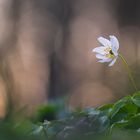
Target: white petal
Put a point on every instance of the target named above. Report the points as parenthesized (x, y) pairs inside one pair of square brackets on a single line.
[(113, 61), (114, 50), (114, 42), (99, 50), (104, 60), (104, 41), (99, 56)]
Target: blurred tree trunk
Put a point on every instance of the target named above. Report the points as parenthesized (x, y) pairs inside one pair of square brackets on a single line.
[(46, 50)]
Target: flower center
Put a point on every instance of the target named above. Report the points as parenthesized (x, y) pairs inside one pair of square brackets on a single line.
[(109, 52)]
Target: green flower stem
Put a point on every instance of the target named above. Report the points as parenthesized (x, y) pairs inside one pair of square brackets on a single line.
[(129, 72)]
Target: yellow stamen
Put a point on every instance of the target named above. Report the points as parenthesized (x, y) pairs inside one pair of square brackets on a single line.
[(109, 52)]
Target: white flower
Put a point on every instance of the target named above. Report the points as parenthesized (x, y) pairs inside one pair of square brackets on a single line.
[(108, 52)]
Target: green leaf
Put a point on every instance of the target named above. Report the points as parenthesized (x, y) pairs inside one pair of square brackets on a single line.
[(134, 122), (46, 112), (118, 105), (131, 108), (119, 125), (106, 109), (124, 109), (136, 99)]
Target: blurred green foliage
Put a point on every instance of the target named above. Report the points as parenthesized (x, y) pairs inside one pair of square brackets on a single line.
[(120, 120)]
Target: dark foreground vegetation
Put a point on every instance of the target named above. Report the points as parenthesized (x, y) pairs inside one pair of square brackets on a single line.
[(120, 120)]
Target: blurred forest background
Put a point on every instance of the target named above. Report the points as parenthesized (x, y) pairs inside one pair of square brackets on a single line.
[(46, 51)]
